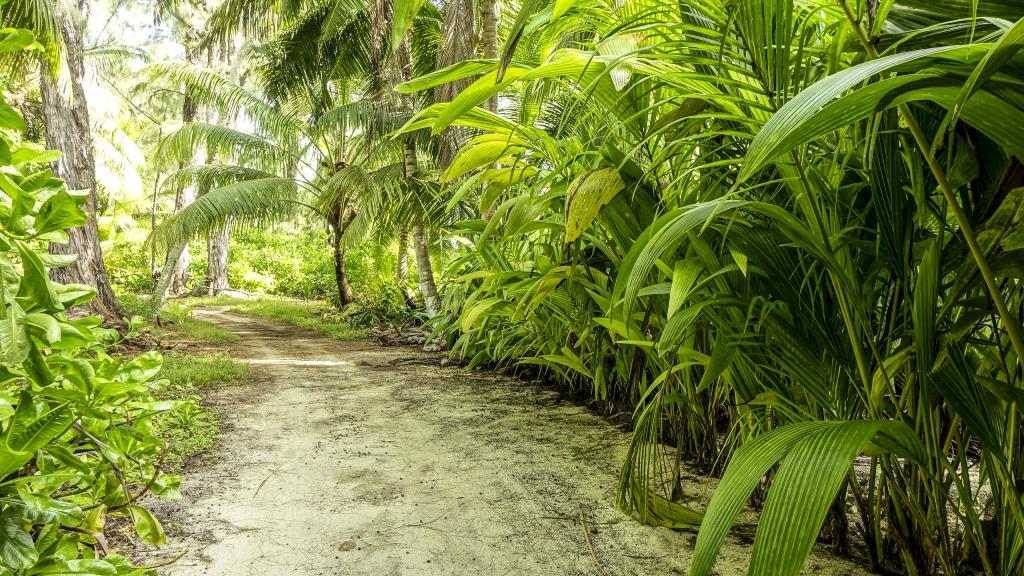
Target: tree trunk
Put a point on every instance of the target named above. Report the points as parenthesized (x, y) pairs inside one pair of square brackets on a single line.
[(180, 273), (489, 37), (217, 244), (66, 118), (341, 217), (402, 269), (421, 245), (163, 281), (420, 239), (345, 294)]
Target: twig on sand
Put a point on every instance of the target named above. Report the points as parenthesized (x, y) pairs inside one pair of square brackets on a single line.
[(167, 562), (421, 524), (574, 519), (260, 487), (586, 534)]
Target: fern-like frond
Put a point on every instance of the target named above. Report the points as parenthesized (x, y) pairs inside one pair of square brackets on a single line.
[(184, 144), (247, 203), (208, 87)]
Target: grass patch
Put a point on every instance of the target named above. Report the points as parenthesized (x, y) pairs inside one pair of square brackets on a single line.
[(176, 319), (191, 429), (312, 315), (192, 372), (198, 330)]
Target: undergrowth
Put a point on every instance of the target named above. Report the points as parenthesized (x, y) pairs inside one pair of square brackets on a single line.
[(312, 315), (192, 429), (176, 318)]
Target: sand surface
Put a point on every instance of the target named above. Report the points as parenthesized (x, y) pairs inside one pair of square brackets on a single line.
[(349, 458)]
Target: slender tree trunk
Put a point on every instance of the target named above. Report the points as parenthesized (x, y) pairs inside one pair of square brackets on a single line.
[(421, 245), (489, 37), (402, 269), (421, 240), (217, 244), (180, 273), (66, 118), (163, 281), (342, 216), (345, 294)]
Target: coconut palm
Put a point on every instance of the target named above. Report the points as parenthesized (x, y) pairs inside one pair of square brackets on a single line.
[(331, 62)]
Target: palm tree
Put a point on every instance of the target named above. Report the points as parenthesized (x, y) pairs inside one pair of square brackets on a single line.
[(335, 46), (281, 164)]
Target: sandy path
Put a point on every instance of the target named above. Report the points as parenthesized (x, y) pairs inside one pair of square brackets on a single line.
[(348, 458)]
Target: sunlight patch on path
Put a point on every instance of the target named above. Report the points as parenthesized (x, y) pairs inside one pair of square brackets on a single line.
[(296, 362)]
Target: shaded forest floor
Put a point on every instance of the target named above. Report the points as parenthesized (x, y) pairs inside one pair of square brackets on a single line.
[(348, 458)]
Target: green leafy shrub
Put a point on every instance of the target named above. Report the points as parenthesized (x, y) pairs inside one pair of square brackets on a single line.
[(77, 423), (128, 267), (181, 321), (281, 262), (191, 429)]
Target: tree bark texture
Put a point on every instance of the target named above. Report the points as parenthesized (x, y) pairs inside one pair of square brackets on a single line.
[(217, 244), (66, 118), (156, 300), (421, 245), (489, 38), (402, 269), (341, 217), (421, 240)]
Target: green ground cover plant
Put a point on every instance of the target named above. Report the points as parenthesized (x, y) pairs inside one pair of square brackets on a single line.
[(77, 424), (318, 316), (192, 429)]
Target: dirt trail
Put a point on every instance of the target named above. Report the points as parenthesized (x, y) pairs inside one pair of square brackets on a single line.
[(348, 458)]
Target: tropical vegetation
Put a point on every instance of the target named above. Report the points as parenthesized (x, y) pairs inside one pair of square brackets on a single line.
[(785, 236)]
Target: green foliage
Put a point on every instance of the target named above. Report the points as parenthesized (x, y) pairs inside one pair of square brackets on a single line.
[(128, 266), (79, 441), (282, 263), (191, 429), (180, 320), (312, 315), (779, 233)]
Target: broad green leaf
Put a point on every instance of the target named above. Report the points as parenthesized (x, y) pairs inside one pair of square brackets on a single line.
[(586, 197), (787, 128), (403, 12), (457, 71), (58, 212), (747, 468), (147, 526), (801, 494), (36, 286), (10, 118), (49, 328), (14, 39), (14, 340), (42, 509), (16, 547), (37, 431)]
